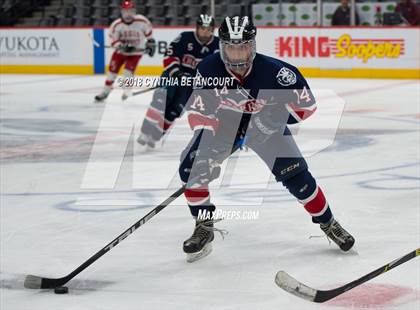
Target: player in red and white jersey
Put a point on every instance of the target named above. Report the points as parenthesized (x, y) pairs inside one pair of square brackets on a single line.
[(131, 36)]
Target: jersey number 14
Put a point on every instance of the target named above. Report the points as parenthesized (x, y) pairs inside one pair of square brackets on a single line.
[(198, 103), (304, 95)]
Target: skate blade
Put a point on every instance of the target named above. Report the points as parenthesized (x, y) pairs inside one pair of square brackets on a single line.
[(126, 95), (192, 257), (141, 141), (146, 144)]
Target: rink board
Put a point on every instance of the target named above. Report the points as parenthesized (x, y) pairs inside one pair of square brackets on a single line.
[(363, 52)]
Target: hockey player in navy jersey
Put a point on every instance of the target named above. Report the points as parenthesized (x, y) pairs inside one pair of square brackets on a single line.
[(267, 95), (181, 59)]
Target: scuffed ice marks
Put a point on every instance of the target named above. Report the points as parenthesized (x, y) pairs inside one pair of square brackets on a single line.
[(45, 125), (347, 139), (43, 140), (40, 140)]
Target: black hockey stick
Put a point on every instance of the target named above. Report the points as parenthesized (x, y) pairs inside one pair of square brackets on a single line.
[(139, 92), (96, 43), (293, 286), (36, 282)]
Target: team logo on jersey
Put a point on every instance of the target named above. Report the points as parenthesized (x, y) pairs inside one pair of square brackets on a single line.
[(286, 77), (246, 105), (190, 61)]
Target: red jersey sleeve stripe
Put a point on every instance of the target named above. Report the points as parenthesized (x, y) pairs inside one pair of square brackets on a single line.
[(148, 34), (300, 114), (167, 61), (198, 120)]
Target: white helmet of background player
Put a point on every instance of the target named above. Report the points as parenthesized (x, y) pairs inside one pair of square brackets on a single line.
[(204, 28), (237, 42), (128, 11)]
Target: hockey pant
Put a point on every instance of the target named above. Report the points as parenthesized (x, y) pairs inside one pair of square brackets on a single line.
[(117, 61), (167, 105), (281, 155)]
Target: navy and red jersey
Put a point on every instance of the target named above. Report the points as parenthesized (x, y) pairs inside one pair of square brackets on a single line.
[(270, 84), (186, 52)]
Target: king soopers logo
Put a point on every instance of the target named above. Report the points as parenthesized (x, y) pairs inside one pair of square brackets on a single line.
[(345, 46)]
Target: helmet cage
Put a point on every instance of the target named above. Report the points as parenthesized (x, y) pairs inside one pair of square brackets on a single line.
[(238, 44), (237, 33), (128, 14)]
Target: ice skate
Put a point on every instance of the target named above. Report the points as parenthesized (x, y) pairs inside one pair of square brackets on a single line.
[(103, 95), (338, 234), (199, 244), (144, 139), (126, 94)]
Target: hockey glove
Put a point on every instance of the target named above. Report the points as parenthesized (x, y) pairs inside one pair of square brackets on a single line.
[(177, 74), (204, 171), (266, 123), (151, 47), (206, 159)]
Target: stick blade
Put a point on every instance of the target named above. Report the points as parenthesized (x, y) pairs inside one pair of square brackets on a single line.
[(293, 286), (33, 282)]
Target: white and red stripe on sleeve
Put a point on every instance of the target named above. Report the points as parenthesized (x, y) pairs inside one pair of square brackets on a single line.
[(148, 34), (147, 25), (113, 33)]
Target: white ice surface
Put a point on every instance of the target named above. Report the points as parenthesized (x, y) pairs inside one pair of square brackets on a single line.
[(49, 225)]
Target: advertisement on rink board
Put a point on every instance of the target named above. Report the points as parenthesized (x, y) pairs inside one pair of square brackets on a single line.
[(45, 51), (324, 52), (343, 52), (361, 52)]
